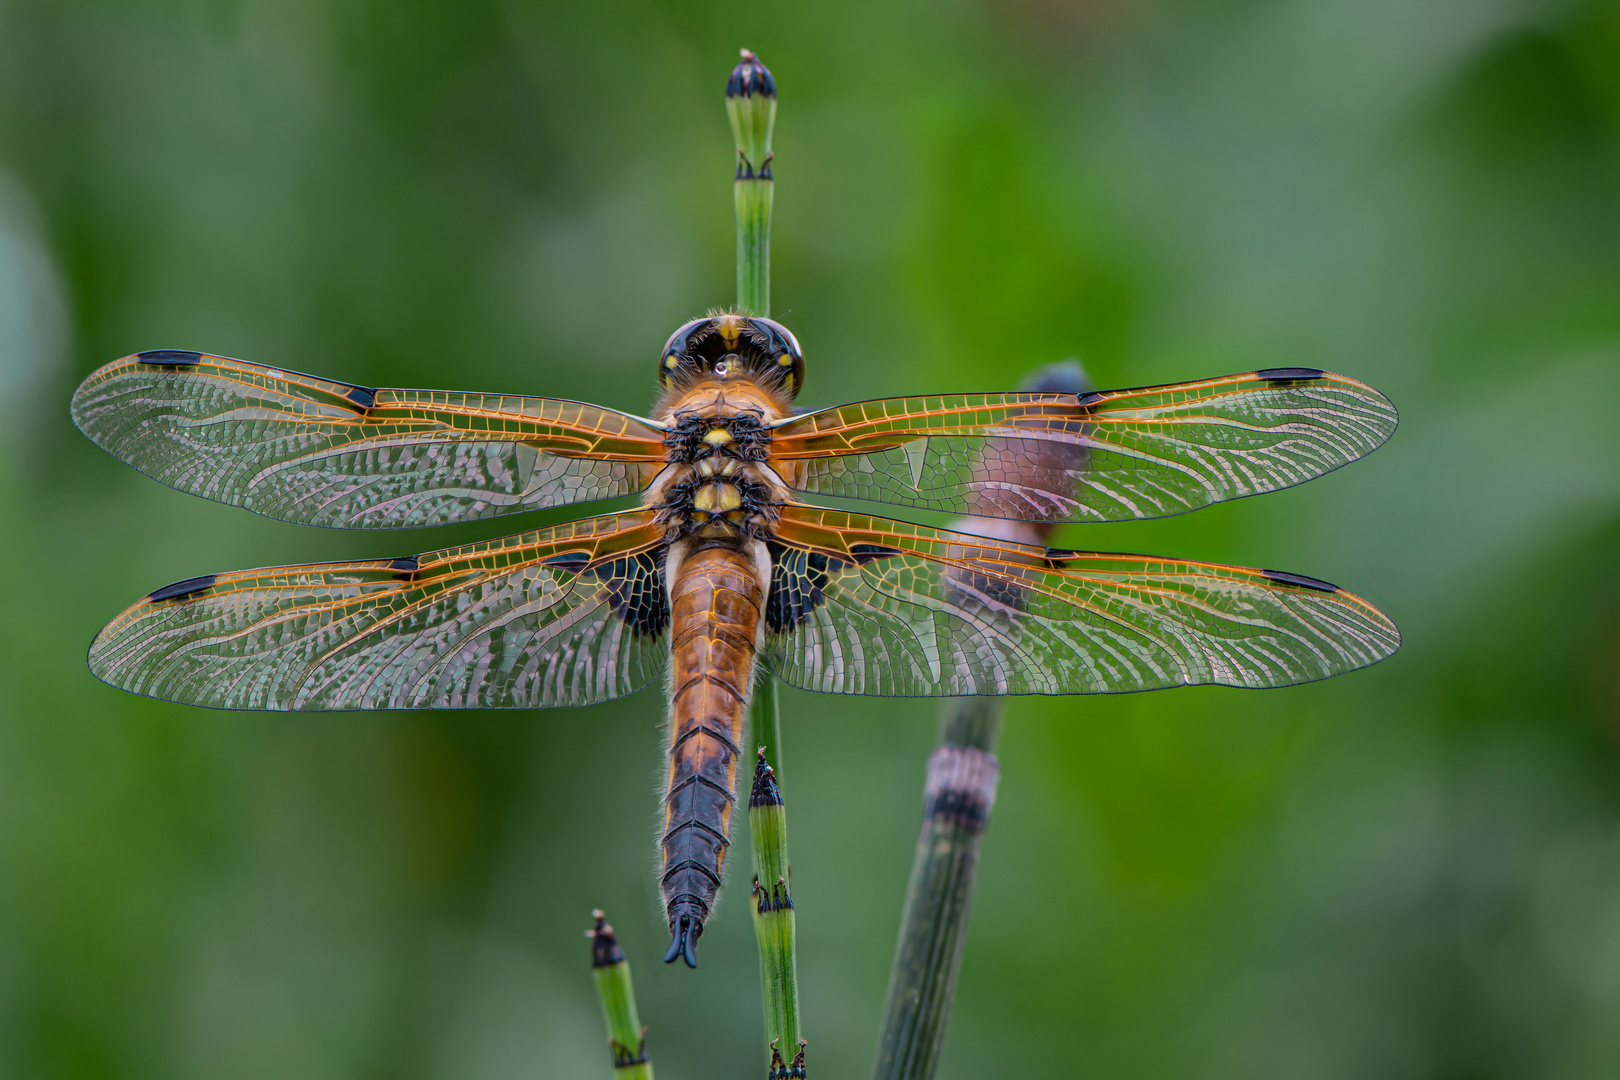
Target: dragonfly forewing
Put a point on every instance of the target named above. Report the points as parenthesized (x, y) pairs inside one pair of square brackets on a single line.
[(320, 452), (1150, 452)]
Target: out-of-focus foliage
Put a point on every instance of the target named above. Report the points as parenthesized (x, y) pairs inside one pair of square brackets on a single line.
[(1411, 872)]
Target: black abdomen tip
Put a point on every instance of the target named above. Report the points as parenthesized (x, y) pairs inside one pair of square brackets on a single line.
[(169, 357), (683, 935)]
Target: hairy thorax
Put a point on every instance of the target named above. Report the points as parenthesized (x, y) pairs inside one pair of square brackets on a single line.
[(717, 488)]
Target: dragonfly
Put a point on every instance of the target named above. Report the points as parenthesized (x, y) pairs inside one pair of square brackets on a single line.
[(725, 573)]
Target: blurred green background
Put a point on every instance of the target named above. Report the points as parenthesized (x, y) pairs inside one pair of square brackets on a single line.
[(1409, 872)]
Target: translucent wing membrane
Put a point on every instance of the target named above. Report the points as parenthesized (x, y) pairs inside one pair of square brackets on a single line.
[(1109, 456), (564, 616), (311, 450), (863, 605)]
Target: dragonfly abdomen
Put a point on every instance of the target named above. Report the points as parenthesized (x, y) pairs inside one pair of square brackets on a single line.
[(717, 603)]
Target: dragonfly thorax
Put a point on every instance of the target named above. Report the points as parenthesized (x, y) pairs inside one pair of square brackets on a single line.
[(717, 485), (719, 498)]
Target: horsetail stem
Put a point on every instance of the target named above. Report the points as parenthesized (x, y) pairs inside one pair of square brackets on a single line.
[(957, 798), (627, 1039), (751, 106), (774, 921)]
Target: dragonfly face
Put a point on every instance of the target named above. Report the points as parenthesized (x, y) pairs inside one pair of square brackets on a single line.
[(724, 570), (732, 348)]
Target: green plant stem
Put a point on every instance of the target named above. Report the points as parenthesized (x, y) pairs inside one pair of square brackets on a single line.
[(961, 789), (751, 107), (753, 197), (627, 1041), (775, 924), (764, 721), (957, 799)]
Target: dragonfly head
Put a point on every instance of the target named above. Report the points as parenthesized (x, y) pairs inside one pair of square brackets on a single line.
[(727, 347)]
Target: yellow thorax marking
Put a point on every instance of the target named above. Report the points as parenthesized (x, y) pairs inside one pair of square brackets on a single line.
[(716, 498), (717, 437)]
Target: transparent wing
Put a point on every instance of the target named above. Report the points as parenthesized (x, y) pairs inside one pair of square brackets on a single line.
[(1104, 456), (311, 450), (564, 616), (863, 605)]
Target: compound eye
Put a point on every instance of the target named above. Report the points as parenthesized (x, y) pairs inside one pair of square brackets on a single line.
[(793, 342), (677, 340), (783, 335)]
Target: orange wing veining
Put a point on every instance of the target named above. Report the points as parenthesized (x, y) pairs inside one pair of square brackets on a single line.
[(323, 452), (569, 615), (865, 605), (1149, 452)]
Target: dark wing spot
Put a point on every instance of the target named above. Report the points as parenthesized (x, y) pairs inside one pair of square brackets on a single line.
[(865, 553), (169, 357), (798, 585), (1301, 580), (1288, 374), (1059, 555), (1089, 399), (636, 591), (571, 561), (180, 590), (405, 564), (362, 396)]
